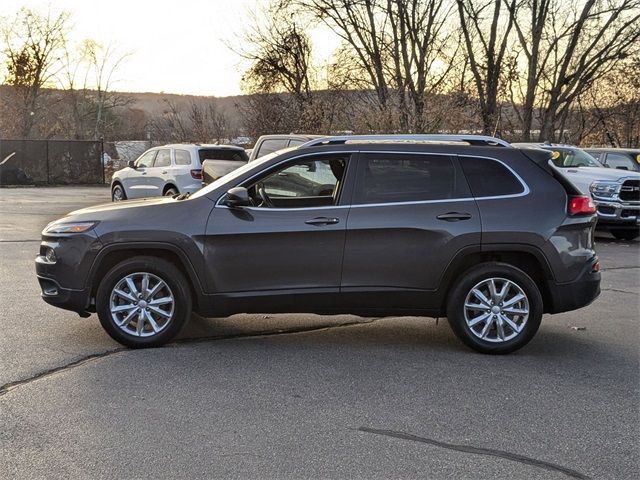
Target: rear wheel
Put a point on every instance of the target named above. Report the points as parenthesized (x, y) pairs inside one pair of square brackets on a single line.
[(495, 308), (170, 192), (117, 193), (143, 302), (625, 234)]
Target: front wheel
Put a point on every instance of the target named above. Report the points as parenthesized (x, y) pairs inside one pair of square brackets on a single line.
[(495, 308), (625, 234), (117, 193), (143, 302)]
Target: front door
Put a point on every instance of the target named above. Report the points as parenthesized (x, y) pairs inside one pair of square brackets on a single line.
[(289, 242), (411, 214), (135, 183)]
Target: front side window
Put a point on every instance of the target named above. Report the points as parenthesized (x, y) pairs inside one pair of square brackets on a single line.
[(307, 182), (183, 157), (146, 160), (390, 178), (489, 178), (163, 159)]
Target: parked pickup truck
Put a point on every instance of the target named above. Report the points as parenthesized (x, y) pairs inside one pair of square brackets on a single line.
[(616, 192)]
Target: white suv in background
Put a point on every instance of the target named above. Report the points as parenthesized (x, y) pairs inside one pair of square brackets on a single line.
[(169, 170)]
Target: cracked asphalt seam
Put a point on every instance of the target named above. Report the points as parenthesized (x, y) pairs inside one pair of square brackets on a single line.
[(479, 451), (619, 291), (9, 386)]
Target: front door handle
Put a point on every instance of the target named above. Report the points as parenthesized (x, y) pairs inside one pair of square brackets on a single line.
[(454, 216), (319, 221)]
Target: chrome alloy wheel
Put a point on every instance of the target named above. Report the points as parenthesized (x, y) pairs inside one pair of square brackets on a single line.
[(496, 310), (141, 304), (118, 194)]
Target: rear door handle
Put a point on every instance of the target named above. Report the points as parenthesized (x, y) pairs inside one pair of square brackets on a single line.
[(454, 216), (319, 221), (164, 171)]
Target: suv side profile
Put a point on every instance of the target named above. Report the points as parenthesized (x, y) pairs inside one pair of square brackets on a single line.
[(485, 234), (169, 170)]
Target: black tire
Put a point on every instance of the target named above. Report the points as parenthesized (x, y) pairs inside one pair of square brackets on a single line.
[(178, 287), (170, 192), (472, 278), (118, 193), (625, 234)]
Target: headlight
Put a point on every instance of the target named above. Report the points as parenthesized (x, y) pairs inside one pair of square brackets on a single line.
[(604, 189), (73, 227)]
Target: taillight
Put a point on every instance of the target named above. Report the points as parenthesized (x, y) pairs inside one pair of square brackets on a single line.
[(581, 205), (196, 174)]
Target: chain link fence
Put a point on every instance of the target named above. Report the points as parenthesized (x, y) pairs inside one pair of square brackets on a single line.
[(51, 162)]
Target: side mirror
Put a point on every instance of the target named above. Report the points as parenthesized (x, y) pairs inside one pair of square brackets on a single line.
[(131, 164), (237, 197)]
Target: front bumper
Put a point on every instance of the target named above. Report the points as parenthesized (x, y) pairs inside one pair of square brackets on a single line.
[(622, 215), (578, 293), (65, 298)]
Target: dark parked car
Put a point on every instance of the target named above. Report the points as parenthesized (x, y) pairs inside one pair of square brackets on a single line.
[(488, 235), (621, 158)]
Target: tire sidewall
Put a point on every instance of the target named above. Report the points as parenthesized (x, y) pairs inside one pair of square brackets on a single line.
[(113, 190), (455, 307), (165, 271), (170, 192)]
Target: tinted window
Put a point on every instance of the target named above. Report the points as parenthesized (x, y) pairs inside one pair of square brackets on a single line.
[(222, 154), (163, 159), (146, 160), (488, 178), (183, 157), (271, 145), (302, 183), (384, 177), (618, 160)]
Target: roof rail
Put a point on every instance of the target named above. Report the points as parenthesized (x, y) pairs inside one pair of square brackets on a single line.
[(470, 139)]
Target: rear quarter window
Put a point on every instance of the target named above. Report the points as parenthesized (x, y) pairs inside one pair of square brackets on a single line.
[(489, 178), (183, 157)]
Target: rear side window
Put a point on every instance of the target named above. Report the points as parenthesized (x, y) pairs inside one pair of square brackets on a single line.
[(163, 159), (621, 161), (489, 178), (271, 145), (222, 154), (183, 157), (390, 178)]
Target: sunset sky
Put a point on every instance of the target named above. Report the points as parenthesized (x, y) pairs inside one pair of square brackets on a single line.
[(177, 46)]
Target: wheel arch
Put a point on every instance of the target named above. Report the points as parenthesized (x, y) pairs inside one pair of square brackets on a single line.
[(111, 256), (527, 258), (168, 186)]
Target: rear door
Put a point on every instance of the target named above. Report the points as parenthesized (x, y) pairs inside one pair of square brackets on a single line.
[(411, 213)]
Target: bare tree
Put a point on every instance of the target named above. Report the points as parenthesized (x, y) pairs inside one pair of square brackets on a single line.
[(486, 26), (34, 44), (568, 47)]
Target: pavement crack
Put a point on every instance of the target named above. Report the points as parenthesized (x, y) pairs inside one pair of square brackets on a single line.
[(619, 291), (514, 457), (619, 268), (7, 387), (26, 240)]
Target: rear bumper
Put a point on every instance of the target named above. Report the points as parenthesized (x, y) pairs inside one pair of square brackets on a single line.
[(577, 294)]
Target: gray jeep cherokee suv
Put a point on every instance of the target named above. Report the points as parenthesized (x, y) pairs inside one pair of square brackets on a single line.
[(460, 226)]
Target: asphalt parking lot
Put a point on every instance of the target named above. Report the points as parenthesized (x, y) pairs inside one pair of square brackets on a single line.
[(296, 396)]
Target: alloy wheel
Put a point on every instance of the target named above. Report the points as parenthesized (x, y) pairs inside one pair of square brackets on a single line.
[(141, 304), (496, 310)]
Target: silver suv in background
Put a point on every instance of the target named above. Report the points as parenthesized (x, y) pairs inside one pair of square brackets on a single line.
[(168, 170)]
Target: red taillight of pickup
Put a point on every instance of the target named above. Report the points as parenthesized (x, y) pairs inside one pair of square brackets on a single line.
[(196, 174), (581, 205)]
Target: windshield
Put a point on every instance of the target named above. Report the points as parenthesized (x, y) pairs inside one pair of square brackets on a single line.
[(573, 157), (239, 172)]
